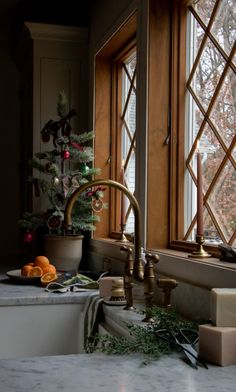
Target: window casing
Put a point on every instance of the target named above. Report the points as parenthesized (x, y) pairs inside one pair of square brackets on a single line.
[(211, 118), (167, 154), (201, 89), (109, 67), (124, 128)]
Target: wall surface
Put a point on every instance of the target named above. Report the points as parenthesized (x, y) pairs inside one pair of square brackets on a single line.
[(105, 13), (105, 16), (10, 139), (12, 15)]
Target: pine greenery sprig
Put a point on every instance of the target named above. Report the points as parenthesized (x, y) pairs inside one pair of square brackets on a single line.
[(85, 155), (82, 138), (48, 155), (31, 221), (142, 338)]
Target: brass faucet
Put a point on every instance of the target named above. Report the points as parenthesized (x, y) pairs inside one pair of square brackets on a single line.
[(167, 285), (133, 269)]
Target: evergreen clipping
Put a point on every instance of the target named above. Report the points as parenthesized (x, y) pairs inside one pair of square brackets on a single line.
[(142, 337)]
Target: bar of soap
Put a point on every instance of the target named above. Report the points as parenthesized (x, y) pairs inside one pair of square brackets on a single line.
[(105, 285), (223, 307), (217, 345)]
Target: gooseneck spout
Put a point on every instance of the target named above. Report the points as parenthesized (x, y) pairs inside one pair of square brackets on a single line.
[(138, 267)]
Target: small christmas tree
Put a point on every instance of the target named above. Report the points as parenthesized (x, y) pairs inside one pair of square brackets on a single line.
[(63, 169)]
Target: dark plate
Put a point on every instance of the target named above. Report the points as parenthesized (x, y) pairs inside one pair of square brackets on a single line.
[(17, 277)]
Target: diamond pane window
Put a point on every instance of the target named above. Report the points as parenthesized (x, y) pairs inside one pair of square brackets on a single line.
[(211, 119), (128, 118), (204, 9), (224, 25), (223, 113), (208, 72)]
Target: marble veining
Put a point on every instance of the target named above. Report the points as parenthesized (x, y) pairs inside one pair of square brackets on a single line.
[(105, 373), (12, 293), (100, 372)]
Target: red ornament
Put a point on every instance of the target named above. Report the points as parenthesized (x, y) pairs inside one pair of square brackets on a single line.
[(27, 238), (45, 136), (65, 154), (77, 146)]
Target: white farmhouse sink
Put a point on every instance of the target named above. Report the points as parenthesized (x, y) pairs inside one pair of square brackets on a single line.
[(40, 330)]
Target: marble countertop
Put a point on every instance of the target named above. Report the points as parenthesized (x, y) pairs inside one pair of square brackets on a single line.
[(13, 293), (105, 373), (100, 372)]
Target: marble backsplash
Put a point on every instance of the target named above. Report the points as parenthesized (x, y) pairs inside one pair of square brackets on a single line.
[(189, 300)]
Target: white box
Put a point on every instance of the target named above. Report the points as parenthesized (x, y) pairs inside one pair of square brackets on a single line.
[(223, 307)]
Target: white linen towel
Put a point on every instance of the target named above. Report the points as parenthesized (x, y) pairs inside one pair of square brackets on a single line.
[(91, 313)]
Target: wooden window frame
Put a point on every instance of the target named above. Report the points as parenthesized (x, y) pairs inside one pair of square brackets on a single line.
[(116, 126), (158, 126), (177, 168), (165, 125), (106, 155)]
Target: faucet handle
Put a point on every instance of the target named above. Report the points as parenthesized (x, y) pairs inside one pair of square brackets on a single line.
[(128, 274), (126, 249), (149, 282), (167, 285), (149, 257)]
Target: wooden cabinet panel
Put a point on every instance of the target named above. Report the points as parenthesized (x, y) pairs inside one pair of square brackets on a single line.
[(51, 59)]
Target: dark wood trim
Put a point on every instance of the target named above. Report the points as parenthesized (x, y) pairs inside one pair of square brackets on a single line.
[(178, 93), (102, 135), (158, 131), (105, 124)]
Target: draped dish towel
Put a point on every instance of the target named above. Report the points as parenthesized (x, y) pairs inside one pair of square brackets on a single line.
[(92, 311), (91, 316)]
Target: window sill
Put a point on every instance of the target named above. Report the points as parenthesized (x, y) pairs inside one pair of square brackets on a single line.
[(206, 273)]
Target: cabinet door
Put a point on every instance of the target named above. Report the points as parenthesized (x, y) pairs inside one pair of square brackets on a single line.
[(58, 75)]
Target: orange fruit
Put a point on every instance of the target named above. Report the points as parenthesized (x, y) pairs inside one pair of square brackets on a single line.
[(32, 264), (48, 278), (41, 261), (49, 268), (35, 272), (25, 269)]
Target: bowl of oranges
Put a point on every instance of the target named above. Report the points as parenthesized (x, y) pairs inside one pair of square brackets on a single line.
[(40, 270)]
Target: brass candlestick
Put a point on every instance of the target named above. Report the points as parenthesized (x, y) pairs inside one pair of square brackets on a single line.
[(200, 253), (122, 234)]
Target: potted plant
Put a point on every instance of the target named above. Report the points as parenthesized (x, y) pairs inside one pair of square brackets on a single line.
[(61, 169)]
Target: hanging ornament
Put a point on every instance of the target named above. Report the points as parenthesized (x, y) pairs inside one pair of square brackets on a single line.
[(55, 181), (97, 194), (65, 182), (27, 237), (84, 168), (75, 181), (77, 146), (54, 222), (45, 136), (65, 154), (66, 129), (97, 205)]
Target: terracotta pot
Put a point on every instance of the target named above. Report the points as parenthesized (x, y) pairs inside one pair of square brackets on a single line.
[(65, 252)]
